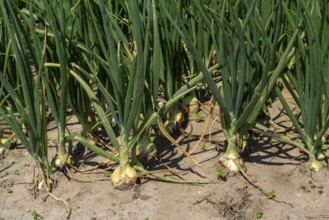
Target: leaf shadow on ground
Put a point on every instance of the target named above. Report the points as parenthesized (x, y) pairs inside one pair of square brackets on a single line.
[(268, 151)]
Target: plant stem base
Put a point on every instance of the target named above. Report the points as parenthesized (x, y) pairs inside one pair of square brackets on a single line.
[(231, 162)]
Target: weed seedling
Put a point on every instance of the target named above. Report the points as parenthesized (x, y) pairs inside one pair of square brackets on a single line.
[(9, 190), (36, 215), (259, 213), (198, 117), (271, 194), (221, 173), (203, 148), (106, 173)]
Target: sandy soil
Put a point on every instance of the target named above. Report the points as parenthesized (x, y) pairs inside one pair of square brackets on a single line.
[(270, 164)]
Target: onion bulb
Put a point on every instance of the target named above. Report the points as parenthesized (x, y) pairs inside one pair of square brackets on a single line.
[(123, 176), (320, 155), (4, 144), (314, 165), (191, 103), (176, 118), (62, 160), (231, 162)]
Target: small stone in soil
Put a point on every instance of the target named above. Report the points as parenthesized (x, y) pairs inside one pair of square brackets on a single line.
[(310, 182), (302, 187), (320, 187), (313, 186), (320, 191)]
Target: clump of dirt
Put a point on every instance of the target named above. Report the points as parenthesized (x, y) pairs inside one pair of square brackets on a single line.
[(230, 205)]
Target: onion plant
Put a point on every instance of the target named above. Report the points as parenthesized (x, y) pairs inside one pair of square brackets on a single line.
[(26, 113), (124, 66), (76, 28), (201, 36), (171, 67), (245, 35), (307, 81), (58, 22), (52, 15)]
